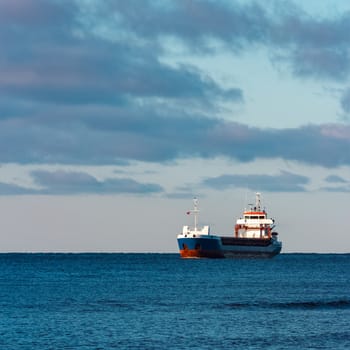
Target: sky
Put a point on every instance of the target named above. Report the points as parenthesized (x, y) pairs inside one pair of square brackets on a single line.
[(115, 114)]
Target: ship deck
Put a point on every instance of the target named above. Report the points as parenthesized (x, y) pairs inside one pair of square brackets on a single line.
[(260, 242)]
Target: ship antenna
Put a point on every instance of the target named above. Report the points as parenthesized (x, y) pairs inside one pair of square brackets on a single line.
[(257, 201), (195, 211)]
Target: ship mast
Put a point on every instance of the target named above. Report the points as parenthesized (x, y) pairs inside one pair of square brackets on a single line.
[(195, 211), (257, 201)]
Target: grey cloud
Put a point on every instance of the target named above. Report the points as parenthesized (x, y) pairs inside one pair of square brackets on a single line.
[(34, 12), (325, 145), (193, 21), (284, 182), (64, 63), (345, 101), (314, 47), (108, 75), (7, 189), (53, 54), (321, 63), (336, 189), (71, 96), (65, 182), (336, 184), (335, 179), (148, 134), (294, 26)]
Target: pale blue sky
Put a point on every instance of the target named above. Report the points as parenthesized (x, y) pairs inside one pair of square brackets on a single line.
[(114, 114)]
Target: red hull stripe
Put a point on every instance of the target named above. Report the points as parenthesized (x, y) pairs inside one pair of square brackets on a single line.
[(196, 253), (254, 213)]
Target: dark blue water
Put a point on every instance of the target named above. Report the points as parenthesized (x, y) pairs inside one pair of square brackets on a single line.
[(158, 301)]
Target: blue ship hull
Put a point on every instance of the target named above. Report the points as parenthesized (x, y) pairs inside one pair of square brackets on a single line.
[(227, 247), (208, 247)]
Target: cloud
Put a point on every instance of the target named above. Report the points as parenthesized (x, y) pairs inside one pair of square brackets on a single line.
[(87, 84), (313, 47), (345, 101), (195, 22), (74, 182), (156, 134), (336, 184), (53, 52), (7, 189), (336, 189), (62, 62), (284, 182), (335, 179), (324, 145), (95, 72), (35, 13), (319, 63), (56, 52)]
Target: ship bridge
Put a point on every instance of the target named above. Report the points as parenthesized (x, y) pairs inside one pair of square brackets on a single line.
[(254, 223)]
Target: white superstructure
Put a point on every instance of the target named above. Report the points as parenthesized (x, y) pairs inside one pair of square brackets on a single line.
[(195, 231), (255, 223)]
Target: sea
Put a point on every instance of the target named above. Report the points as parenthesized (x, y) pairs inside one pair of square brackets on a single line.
[(160, 301)]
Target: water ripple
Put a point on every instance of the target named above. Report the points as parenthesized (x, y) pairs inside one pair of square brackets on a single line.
[(313, 304)]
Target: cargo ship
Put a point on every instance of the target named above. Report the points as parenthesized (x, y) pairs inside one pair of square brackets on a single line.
[(253, 237)]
